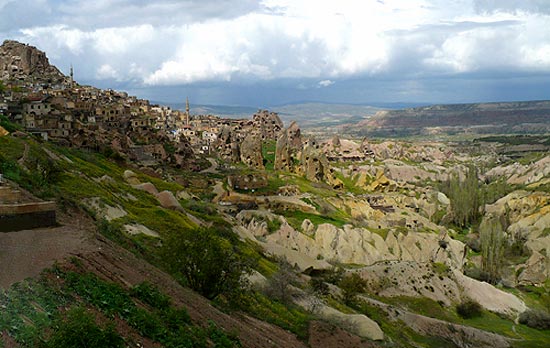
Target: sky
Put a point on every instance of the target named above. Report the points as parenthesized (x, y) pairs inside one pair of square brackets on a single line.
[(274, 52)]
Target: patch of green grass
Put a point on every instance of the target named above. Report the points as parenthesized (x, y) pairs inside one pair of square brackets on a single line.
[(295, 219), (291, 318), (268, 154), (440, 268), (382, 232)]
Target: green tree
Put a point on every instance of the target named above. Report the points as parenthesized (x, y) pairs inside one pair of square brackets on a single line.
[(351, 285), (466, 197), (209, 264), (492, 239)]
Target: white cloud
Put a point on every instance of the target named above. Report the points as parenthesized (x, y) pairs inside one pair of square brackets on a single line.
[(325, 83), (167, 42), (107, 72)]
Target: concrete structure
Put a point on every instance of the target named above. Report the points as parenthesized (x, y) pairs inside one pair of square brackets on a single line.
[(18, 213)]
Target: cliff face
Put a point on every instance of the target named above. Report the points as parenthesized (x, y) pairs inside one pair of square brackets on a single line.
[(20, 61)]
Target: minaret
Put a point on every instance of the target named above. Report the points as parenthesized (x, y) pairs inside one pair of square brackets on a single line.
[(72, 76), (187, 111)]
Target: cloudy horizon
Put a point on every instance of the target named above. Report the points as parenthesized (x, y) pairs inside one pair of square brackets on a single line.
[(273, 52)]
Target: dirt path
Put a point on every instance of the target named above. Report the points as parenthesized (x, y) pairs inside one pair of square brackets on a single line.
[(213, 166), (23, 158), (26, 253)]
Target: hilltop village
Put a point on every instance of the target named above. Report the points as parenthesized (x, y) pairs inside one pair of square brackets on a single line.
[(53, 106)]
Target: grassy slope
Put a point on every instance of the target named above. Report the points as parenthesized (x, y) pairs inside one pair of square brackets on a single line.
[(28, 321)]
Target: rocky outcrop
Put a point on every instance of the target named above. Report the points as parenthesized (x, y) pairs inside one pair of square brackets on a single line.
[(315, 166), (382, 183), (359, 324), (361, 246), (439, 283), (227, 145), (20, 61), (3, 132), (267, 124), (527, 217), (251, 151), (288, 146), (521, 174)]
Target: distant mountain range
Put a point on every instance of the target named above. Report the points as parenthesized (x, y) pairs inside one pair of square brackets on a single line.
[(479, 118), (366, 120), (307, 115)]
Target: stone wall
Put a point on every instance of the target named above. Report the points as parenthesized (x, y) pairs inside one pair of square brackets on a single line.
[(17, 217)]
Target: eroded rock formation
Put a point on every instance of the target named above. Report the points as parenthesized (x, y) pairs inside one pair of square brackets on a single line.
[(19, 61), (288, 146), (251, 151)]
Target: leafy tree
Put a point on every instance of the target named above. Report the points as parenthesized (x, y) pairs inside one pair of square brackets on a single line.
[(466, 197), (351, 285), (492, 239), (209, 264)]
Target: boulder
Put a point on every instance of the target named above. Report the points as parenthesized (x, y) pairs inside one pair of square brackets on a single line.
[(3, 132), (131, 177), (443, 199), (168, 200), (147, 187)]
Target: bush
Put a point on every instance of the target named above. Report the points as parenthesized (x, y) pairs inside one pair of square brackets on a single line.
[(149, 294), (477, 273), (537, 319), (279, 286), (319, 287), (351, 285), (209, 264), (79, 329), (469, 309)]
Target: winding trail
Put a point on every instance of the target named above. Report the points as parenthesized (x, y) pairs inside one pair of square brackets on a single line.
[(213, 166), (23, 158)]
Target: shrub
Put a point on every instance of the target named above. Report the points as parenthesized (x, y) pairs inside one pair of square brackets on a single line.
[(79, 329), (351, 285), (469, 309), (149, 294), (279, 286), (537, 319), (319, 287), (209, 264), (477, 273)]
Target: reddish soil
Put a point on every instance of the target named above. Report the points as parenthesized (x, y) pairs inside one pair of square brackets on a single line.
[(25, 253), (326, 335)]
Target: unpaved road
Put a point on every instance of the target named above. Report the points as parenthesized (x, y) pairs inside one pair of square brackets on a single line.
[(26, 253)]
